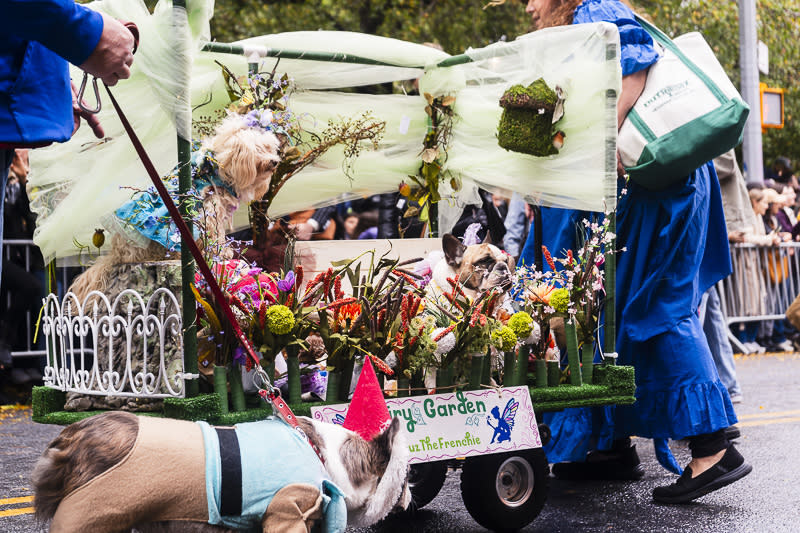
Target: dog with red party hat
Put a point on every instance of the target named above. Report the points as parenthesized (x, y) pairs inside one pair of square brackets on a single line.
[(117, 471)]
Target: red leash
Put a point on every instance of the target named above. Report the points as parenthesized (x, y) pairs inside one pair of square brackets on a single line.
[(185, 232), (269, 393)]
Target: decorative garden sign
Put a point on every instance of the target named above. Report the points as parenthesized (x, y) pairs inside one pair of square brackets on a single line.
[(459, 424)]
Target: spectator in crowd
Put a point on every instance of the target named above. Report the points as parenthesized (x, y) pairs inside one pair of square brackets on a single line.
[(517, 222), (38, 105), (392, 220), (22, 283), (487, 215), (772, 333), (361, 225), (785, 214), (743, 221), (781, 172), (757, 291)]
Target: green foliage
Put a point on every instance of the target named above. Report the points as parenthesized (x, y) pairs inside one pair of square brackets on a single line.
[(454, 24), (527, 122), (777, 27)]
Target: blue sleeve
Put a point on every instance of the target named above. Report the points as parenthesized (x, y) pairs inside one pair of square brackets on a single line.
[(70, 30), (637, 49)]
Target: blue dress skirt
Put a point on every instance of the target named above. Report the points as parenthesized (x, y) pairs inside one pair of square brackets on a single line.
[(677, 248)]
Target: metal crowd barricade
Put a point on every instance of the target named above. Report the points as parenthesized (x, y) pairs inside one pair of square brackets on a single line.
[(764, 282), (27, 248)]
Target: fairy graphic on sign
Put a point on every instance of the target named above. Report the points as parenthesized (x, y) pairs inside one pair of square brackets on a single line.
[(502, 431)]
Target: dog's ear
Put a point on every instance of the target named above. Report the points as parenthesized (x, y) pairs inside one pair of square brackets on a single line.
[(488, 238), (389, 448), (453, 250)]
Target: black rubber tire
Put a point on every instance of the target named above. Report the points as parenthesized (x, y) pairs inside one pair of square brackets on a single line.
[(505, 491), (425, 480)]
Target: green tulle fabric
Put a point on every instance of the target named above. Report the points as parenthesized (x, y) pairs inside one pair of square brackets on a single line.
[(75, 186)]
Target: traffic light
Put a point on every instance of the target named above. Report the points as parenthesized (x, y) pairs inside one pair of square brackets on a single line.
[(771, 107)]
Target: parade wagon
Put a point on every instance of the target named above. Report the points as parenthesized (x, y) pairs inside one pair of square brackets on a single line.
[(535, 116)]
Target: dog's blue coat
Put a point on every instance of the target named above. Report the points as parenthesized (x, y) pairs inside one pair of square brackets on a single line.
[(146, 216), (273, 456)]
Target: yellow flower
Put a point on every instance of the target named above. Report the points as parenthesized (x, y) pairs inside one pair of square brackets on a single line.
[(280, 319)]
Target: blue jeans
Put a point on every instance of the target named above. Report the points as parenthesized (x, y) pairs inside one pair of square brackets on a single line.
[(710, 313), (6, 157)]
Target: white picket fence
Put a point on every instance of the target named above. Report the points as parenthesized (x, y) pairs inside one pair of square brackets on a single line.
[(128, 347)]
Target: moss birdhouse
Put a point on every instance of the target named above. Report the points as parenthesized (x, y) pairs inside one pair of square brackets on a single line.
[(527, 122)]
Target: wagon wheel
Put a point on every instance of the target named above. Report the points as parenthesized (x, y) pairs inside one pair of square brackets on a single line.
[(505, 491), (425, 481)]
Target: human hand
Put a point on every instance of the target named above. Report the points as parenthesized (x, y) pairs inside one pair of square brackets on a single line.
[(20, 166), (620, 169), (112, 57), (736, 236), (79, 113)]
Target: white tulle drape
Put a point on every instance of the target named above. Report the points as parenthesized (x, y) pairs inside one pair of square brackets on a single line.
[(75, 185)]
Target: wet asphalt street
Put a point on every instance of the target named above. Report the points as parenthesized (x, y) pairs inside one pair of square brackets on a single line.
[(765, 501)]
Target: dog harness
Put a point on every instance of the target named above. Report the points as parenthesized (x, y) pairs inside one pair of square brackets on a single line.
[(247, 465)]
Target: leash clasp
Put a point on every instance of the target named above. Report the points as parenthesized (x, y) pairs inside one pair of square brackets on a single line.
[(81, 92)]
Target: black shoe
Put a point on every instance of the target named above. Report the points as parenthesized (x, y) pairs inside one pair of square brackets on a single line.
[(727, 470), (732, 433), (613, 465)]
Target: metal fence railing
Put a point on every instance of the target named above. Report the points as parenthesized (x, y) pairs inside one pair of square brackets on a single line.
[(764, 282), (127, 346)]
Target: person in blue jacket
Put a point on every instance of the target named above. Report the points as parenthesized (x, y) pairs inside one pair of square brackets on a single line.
[(676, 244), (38, 104)]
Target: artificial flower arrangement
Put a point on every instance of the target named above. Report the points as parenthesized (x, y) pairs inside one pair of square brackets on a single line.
[(367, 322), (469, 336), (572, 290)]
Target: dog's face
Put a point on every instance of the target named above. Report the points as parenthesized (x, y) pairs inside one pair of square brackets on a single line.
[(373, 475), (478, 266), (247, 157)]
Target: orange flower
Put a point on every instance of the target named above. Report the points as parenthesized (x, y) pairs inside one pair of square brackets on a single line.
[(540, 293), (350, 311)]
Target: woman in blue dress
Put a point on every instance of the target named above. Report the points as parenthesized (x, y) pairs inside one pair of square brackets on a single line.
[(677, 248)]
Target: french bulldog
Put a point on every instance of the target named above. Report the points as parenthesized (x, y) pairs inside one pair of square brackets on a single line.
[(477, 266), (116, 471)]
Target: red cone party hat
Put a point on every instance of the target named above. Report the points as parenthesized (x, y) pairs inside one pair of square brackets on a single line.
[(367, 415)]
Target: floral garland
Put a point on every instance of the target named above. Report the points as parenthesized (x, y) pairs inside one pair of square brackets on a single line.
[(425, 189)]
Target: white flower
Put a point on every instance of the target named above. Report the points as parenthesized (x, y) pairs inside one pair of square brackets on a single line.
[(445, 344), (536, 334)]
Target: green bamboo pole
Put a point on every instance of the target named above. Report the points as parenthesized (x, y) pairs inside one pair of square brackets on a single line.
[(509, 370), (542, 373), (187, 263), (609, 308), (221, 387), (335, 57), (573, 356), (293, 373), (522, 364), (553, 373), (237, 388), (475, 372)]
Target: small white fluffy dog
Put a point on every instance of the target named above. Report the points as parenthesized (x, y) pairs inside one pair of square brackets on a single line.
[(246, 158)]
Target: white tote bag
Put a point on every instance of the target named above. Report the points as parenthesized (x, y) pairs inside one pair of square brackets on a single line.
[(688, 113)]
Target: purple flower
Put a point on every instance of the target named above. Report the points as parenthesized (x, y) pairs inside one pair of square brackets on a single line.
[(287, 283), (239, 356)]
